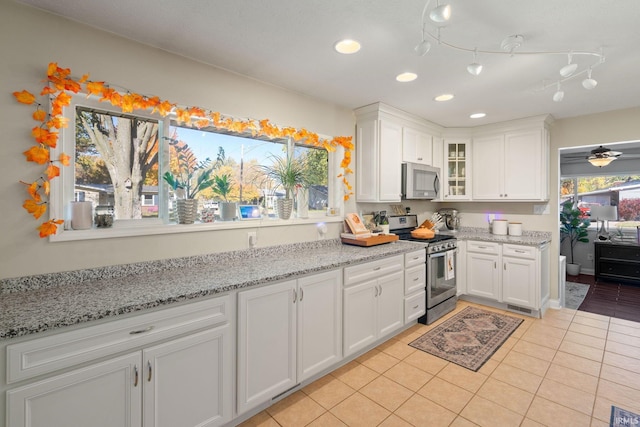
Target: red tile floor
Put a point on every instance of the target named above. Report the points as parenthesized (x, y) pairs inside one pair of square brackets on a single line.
[(619, 300)]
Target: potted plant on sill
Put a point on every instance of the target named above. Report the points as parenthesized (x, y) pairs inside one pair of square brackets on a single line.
[(575, 228), (193, 178), (287, 173), (222, 186)]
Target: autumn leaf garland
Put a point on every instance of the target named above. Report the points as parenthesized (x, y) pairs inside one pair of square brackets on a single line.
[(46, 133)]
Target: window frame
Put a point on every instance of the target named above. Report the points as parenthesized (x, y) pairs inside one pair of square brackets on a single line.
[(62, 188)]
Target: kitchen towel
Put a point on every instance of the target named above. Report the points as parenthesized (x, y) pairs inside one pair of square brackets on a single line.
[(449, 260)]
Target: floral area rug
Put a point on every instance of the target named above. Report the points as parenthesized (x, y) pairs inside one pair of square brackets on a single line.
[(469, 338), (574, 294), (623, 418)]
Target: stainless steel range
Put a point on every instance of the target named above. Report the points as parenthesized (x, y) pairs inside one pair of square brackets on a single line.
[(440, 267)]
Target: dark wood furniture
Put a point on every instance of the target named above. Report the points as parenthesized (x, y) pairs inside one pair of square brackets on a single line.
[(617, 261)]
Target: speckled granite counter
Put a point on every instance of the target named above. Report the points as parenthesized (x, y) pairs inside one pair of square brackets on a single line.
[(38, 303), (529, 238)]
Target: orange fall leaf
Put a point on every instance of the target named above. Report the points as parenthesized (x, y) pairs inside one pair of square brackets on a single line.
[(37, 154), (25, 97), (52, 171), (35, 208), (50, 227)]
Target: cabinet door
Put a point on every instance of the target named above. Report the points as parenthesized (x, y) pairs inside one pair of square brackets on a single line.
[(367, 161), (107, 394), (266, 343), (390, 161), (390, 302), (488, 160), (416, 146), (359, 316), (519, 282), (187, 382), (482, 275), (524, 176), (457, 169), (319, 325)]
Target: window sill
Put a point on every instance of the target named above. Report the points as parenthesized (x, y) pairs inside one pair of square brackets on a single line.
[(158, 229)]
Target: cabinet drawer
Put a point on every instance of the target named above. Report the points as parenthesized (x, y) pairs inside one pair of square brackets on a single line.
[(372, 270), (491, 248), (414, 258), (47, 354), (415, 279), (519, 251), (415, 306)]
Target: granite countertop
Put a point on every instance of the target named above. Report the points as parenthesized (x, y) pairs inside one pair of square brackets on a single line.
[(38, 303), (528, 238)]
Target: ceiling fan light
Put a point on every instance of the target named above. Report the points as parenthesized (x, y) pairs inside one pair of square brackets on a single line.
[(568, 70), (440, 13), (600, 161), (422, 48)]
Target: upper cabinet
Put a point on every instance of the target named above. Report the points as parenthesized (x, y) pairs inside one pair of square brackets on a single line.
[(456, 172), (417, 146), (511, 166), (386, 137)]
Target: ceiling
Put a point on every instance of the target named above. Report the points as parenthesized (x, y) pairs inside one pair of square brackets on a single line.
[(289, 43)]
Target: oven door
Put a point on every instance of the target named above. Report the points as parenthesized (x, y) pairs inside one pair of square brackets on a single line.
[(441, 279)]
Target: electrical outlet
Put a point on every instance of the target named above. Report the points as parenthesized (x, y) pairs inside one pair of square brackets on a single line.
[(252, 239)]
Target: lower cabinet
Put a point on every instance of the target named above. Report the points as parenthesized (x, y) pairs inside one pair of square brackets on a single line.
[(373, 302), (185, 382), (483, 275), (287, 332), (519, 276)]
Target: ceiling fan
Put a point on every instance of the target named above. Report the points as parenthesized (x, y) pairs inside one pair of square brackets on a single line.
[(602, 156)]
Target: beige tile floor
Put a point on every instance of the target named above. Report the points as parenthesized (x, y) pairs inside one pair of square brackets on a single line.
[(566, 369)]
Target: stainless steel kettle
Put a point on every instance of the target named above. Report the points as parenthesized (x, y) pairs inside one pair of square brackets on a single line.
[(451, 218)]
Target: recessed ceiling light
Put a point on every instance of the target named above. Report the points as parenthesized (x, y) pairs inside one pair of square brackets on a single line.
[(347, 46), (406, 77), (443, 97), (478, 115)]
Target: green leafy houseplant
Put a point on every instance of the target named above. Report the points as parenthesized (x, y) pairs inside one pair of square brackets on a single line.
[(193, 176), (573, 226), (222, 186), (287, 173)]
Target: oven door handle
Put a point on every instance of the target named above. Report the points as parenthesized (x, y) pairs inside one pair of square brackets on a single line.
[(441, 254)]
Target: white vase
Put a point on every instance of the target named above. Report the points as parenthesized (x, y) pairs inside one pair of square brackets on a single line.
[(573, 269), (302, 203), (228, 211)]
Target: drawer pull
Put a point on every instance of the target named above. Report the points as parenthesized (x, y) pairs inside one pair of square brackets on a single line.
[(520, 251), (482, 247), (135, 375), (415, 279), (376, 269), (141, 331), (415, 307)]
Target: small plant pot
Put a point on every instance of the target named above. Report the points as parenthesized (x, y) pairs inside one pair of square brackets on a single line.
[(187, 211), (284, 207), (573, 269), (228, 211)]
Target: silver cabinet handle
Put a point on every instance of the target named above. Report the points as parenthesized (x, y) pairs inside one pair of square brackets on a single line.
[(376, 294), (505, 265), (295, 296), (520, 251), (415, 279), (301, 294), (141, 331), (416, 307), (495, 264), (380, 290), (135, 375), (377, 268), (149, 368)]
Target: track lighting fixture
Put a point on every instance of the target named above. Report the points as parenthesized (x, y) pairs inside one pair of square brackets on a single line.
[(589, 83), (559, 95), (568, 69), (511, 46), (474, 68), (441, 13)]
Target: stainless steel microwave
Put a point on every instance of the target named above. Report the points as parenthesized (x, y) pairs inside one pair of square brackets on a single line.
[(420, 182)]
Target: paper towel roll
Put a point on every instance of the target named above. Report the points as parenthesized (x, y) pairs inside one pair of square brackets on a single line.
[(81, 215)]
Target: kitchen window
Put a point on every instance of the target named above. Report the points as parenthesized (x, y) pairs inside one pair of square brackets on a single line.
[(120, 160)]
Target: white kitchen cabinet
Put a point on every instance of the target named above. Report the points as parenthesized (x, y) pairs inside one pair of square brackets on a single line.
[(417, 146), (519, 281), (373, 302), (511, 166), (101, 395), (415, 282), (287, 332), (182, 382), (378, 160), (187, 378), (483, 274), (456, 171)]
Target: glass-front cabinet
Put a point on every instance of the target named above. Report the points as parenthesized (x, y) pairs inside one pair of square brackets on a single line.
[(456, 172)]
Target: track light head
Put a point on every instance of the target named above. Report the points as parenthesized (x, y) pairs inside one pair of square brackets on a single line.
[(589, 83), (440, 13), (559, 95), (422, 48)]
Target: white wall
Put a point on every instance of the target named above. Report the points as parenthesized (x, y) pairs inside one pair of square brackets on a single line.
[(30, 39)]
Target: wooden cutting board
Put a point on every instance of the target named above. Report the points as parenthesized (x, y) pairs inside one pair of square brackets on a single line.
[(371, 241)]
